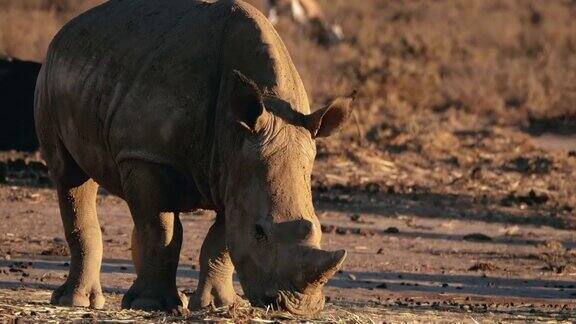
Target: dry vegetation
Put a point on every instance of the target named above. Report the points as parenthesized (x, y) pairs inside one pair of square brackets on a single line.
[(27, 26), (496, 57), (451, 91)]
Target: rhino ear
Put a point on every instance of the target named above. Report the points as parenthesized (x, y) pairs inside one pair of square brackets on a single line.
[(246, 106), (328, 120)]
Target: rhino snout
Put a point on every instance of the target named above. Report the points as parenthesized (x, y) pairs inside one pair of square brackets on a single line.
[(300, 304)]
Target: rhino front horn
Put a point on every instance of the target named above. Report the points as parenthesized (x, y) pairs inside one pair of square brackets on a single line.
[(325, 264)]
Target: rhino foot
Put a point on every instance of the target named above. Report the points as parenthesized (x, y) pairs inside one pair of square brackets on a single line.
[(208, 298), (72, 295), (155, 298)]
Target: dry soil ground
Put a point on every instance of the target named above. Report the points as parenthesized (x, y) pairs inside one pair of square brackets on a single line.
[(454, 192)]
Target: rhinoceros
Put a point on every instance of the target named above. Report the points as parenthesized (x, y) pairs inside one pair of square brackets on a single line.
[(176, 106)]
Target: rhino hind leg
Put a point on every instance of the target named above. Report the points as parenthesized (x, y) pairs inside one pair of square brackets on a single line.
[(151, 192), (77, 200), (215, 287)]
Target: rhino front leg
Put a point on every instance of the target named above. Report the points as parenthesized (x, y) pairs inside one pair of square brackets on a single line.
[(215, 285), (84, 237), (150, 193), (135, 249)]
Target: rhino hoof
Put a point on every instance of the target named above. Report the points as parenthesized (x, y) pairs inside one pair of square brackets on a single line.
[(64, 296), (174, 302)]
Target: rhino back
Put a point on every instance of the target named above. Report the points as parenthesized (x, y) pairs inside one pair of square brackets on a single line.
[(135, 79)]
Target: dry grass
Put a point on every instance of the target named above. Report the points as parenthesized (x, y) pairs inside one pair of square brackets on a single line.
[(12, 307), (27, 26), (509, 59)]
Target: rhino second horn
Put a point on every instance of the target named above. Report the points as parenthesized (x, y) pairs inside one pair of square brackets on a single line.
[(325, 264), (304, 228)]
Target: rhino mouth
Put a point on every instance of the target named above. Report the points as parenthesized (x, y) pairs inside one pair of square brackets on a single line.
[(292, 302), (300, 304)]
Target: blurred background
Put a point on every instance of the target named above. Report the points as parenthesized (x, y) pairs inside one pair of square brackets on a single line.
[(465, 121), (475, 95)]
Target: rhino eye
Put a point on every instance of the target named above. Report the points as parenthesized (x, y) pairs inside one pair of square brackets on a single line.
[(260, 234)]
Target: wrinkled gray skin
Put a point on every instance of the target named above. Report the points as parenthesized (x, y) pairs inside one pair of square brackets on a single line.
[(179, 105)]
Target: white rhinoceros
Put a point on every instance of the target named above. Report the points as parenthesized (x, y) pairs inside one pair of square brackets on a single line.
[(175, 106)]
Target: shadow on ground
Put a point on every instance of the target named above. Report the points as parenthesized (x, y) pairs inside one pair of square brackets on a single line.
[(480, 285), (433, 205)]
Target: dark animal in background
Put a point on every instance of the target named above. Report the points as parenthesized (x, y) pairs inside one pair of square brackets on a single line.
[(17, 83)]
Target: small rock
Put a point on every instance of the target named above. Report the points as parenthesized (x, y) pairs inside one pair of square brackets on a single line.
[(382, 286), (351, 276), (58, 240), (380, 251), (329, 229), (392, 230), (531, 199), (355, 217)]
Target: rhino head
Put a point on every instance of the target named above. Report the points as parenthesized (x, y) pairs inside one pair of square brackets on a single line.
[(273, 234)]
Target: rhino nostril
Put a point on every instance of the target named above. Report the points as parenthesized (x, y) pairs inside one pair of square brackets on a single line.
[(271, 293), (260, 234), (306, 228)]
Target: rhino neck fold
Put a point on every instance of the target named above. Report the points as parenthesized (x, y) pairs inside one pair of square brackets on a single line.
[(251, 46)]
